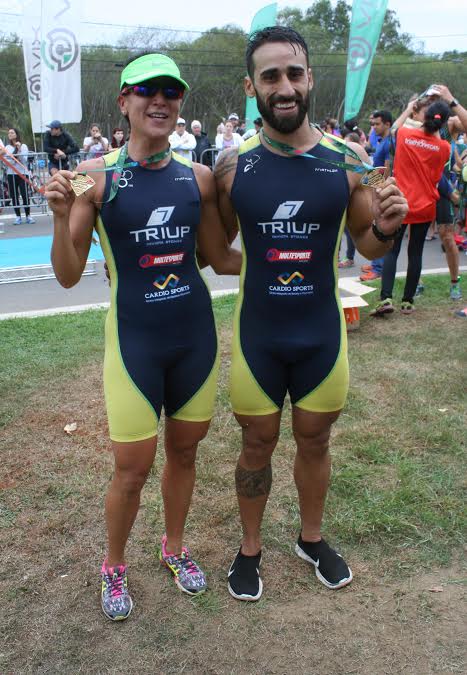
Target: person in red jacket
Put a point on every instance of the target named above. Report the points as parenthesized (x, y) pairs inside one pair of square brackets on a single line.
[(418, 165)]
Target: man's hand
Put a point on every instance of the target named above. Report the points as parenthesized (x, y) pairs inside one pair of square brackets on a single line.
[(59, 193), (444, 92), (389, 207), (59, 153)]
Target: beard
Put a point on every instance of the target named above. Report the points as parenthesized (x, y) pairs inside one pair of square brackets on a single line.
[(284, 125)]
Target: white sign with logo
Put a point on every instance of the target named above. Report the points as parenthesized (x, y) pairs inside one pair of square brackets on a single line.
[(52, 60)]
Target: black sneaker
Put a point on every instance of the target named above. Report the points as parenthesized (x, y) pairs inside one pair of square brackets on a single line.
[(330, 567), (244, 580)]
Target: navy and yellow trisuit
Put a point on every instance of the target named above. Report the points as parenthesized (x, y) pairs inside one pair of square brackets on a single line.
[(289, 327), (160, 336)]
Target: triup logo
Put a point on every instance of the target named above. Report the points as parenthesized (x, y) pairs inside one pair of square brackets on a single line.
[(160, 216), (287, 210)]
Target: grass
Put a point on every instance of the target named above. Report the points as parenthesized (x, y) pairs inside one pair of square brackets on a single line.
[(396, 507)]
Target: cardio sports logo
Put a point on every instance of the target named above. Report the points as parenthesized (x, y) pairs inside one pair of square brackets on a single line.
[(170, 280), (158, 229), (291, 283), (283, 227), (294, 278), (168, 287)]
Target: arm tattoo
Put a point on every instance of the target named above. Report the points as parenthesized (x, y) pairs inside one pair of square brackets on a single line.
[(254, 483), (227, 162)]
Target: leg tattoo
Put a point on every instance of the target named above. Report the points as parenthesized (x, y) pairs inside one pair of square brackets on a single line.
[(254, 483)]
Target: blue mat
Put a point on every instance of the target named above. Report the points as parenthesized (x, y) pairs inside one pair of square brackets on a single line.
[(26, 251)]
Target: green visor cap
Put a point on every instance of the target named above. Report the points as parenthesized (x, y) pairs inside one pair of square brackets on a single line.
[(148, 67)]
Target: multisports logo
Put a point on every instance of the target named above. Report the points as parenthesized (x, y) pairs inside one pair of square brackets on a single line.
[(281, 227), (60, 49), (287, 210), (154, 260), (170, 280), (274, 255), (158, 229)]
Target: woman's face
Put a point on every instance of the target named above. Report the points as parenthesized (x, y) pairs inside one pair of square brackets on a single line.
[(228, 127), (419, 116), (95, 131), (11, 135), (119, 136)]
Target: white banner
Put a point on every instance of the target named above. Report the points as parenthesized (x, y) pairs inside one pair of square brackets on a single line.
[(52, 60)]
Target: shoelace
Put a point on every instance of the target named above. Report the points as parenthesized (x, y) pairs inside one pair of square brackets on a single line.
[(115, 581), (186, 563)]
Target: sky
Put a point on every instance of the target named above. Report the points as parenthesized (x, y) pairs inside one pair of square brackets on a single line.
[(434, 30)]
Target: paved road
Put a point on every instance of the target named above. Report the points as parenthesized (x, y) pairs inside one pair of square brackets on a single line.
[(48, 294)]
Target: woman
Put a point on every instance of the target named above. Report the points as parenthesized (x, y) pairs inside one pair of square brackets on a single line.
[(118, 139), (16, 185), (228, 138), (95, 144), (150, 230), (418, 166)]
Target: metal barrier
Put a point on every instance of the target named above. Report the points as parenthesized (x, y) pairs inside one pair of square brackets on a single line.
[(211, 155)]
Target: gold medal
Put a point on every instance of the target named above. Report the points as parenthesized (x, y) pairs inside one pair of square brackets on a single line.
[(81, 184), (374, 178)]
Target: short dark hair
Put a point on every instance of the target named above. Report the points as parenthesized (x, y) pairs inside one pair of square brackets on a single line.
[(273, 34), (385, 115)]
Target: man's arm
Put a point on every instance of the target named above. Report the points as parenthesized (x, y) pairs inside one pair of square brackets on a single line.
[(189, 144), (212, 240), (386, 206), (71, 147), (402, 117), (224, 174), (47, 147), (457, 109)]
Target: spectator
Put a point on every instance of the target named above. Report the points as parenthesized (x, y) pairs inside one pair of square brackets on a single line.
[(118, 139), (241, 128), (331, 126), (352, 126), (418, 166), (382, 123), (16, 185), (202, 143), (234, 118), (258, 125), (95, 144), (59, 145), (228, 138), (181, 141)]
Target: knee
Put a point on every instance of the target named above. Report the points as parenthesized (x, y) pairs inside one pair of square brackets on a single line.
[(314, 443), (258, 446), (130, 481), (184, 457)]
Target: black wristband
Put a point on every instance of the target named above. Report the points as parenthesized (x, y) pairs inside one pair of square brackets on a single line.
[(380, 236)]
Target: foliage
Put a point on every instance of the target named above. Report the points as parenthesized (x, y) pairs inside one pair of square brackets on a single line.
[(213, 63)]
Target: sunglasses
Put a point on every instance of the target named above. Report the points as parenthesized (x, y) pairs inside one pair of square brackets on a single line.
[(148, 90)]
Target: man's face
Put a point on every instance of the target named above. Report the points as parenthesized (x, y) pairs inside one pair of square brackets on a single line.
[(281, 82), (180, 129), (56, 131), (196, 130), (380, 127), (155, 115)]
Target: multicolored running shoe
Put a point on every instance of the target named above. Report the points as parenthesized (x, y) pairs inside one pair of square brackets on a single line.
[(187, 574), (115, 598)]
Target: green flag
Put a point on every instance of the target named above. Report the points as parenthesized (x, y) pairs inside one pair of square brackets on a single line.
[(365, 29), (265, 17)]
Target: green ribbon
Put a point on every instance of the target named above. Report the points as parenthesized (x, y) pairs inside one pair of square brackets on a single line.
[(121, 164), (340, 146)]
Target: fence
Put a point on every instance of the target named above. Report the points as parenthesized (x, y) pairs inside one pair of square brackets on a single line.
[(38, 173)]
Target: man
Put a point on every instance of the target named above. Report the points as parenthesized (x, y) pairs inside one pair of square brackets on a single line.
[(202, 143), (234, 118), (59, 145), (257, 126), (152, 210), (289, 329), (382, 123), (181, 140)]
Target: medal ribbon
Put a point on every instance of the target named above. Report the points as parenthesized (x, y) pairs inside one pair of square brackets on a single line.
[(362, 167)]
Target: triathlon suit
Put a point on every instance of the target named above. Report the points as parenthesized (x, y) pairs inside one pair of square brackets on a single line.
[(289, 327), (160, 336)]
